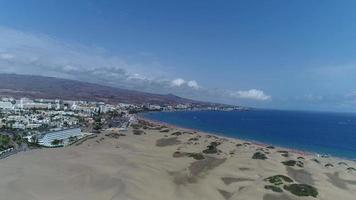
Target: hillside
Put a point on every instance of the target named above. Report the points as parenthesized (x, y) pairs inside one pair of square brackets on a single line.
[(49, 87)]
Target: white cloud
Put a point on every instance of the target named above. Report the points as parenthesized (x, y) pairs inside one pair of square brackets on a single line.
[(178, 82), (193, 84), (253, 94)]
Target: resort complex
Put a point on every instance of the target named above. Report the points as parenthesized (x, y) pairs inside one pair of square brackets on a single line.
[(60, 137)]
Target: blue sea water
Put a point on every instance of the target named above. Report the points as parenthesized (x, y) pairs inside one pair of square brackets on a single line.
[(325, 133)]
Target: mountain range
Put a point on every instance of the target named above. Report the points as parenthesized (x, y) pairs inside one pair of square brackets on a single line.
[(35, 87)]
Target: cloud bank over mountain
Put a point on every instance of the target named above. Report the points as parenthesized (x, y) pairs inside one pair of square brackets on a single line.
[(39, 54)]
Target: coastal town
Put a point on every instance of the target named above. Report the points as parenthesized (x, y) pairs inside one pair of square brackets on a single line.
[(33, 123)]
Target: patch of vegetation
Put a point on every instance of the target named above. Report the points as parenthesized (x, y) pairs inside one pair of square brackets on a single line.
[(316, 160), (284, 153), (115, 135), (292, 163), (4, 142), (329, 165), (18, 139), (57, 142), (270, 147), (98, 124), (279, 179), (162, 127), (138, 132), (82, 140), (351, 169), (342, 163), (212, 148), (300, 164), (215, 143), (238, 145), (302, 190), (301, 158), (289, 163), (178, 133), (72, 139), (273, 188), (164, 131), (194, 139), (196, 156), (33, 145), (260, 156), (136, 126)]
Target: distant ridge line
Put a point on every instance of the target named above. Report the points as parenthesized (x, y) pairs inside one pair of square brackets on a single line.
[(34, 86)]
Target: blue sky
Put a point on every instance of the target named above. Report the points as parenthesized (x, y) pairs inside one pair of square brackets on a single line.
[(275, 54)]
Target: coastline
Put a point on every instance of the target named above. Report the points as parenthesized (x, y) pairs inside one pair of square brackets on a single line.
[(256, 142)]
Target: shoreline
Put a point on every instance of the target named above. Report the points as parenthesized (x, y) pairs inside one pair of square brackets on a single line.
[(257, 143), (152, 160)]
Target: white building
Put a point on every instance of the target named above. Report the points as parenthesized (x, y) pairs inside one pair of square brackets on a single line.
[(154, 107), (46, 139), (36, 105), (6, 105), (24, 101), (19, 125)]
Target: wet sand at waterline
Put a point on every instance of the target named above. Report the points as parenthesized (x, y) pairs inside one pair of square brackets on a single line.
[(159, 163)]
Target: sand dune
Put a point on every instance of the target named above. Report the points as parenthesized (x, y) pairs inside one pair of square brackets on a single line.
[(167, 165)]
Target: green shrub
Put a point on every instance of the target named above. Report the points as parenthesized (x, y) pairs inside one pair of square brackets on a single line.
[(302, 190), (178, 133), (329, 165), (316, 160), (351, 169), (4, 142), (279, 179), (138, 132), (196, 156), (57, 142), (282, 151), (260, 156), (211, 149), (194, 139), (136, 126), (285, 155), (273, 188), (292, 163)]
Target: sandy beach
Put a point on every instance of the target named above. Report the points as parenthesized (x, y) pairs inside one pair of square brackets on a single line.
[(153, 161)]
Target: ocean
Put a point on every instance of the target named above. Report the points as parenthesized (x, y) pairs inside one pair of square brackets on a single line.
[(318, 132)]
